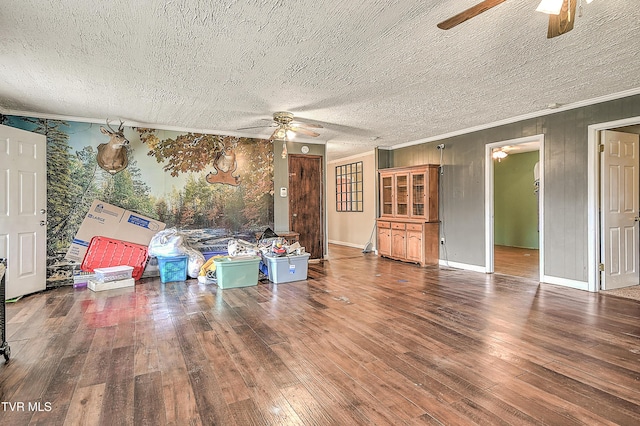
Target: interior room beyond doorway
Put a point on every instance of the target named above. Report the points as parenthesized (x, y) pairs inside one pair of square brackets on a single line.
[(516, 211), (516, 261)]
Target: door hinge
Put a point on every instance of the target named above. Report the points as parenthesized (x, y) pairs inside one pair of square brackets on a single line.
[(601, 147), (601, 267)]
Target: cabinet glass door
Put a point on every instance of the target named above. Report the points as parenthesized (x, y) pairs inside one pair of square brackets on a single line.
[(402, 197), (387, 195), (418, 195)]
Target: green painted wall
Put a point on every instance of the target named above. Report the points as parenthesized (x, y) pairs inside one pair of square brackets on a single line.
[(515, 203)]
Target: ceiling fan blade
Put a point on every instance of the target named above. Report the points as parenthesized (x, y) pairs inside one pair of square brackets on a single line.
[(253, 127), (563, 22), (263, 126), (469, 13), (304, 131), (309, 125)]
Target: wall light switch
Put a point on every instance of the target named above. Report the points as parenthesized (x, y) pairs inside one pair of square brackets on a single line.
[(283, 192)]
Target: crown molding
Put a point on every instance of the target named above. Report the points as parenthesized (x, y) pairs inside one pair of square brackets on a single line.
[(352, 157), (536, 114)]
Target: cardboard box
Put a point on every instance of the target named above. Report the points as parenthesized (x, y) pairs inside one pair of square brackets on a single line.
[(111, 221), (81, 278)]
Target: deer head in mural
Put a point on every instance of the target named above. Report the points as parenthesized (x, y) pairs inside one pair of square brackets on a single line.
[(112, 156), (225, 164)]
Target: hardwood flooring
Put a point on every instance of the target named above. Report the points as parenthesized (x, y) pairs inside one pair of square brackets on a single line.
[(364, 340), (515, 261)]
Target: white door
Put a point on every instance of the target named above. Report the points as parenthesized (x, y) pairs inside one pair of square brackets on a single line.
[(23, 203), (620, 209)]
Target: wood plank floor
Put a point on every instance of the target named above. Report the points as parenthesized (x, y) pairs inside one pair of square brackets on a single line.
[(515, 261), (364, 340)]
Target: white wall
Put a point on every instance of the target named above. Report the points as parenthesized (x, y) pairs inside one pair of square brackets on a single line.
[(352, 228)]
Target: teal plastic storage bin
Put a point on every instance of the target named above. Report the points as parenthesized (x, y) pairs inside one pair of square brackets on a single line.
[(237, 272), (173, 268)]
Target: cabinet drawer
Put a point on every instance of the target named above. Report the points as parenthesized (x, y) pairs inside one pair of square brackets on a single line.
[(414, 227), (382, 224), (396, 225)]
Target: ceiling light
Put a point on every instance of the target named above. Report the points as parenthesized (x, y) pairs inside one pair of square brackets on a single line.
[(550, 7), (281, 133), (499, 154)]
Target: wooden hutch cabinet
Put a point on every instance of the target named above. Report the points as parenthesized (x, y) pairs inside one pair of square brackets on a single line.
[(408, 226)]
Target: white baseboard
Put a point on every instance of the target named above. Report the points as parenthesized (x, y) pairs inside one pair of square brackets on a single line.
[(464, 266), (344, 243), (565, 282)]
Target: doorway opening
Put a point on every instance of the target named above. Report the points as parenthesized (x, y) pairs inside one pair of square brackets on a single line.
[(514, 188), (614, 240)]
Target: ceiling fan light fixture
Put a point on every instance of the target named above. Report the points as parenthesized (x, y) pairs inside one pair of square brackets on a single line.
[(550, 7), (499, 154), (281, 133)]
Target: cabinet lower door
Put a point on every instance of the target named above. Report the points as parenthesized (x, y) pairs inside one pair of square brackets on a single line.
[(398, 244), (414, 246), (384, 242)]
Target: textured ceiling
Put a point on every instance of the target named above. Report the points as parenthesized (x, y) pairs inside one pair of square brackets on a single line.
[(372, 72)]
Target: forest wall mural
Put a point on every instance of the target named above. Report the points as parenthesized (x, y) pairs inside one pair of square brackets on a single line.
[(217, 185)]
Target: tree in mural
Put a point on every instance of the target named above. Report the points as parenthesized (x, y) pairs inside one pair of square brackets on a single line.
[(127, 189), (257, 185), (189, 152), (201, 204), (162, 210), (84, 173)]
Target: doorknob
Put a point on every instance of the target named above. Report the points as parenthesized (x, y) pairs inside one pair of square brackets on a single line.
[(43, 211), (295, 215)]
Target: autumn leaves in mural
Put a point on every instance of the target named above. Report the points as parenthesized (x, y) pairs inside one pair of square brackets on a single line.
[(242, 200), (166, 178)]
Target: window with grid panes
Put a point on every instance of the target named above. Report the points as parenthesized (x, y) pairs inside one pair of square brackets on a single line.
[(349, 192)]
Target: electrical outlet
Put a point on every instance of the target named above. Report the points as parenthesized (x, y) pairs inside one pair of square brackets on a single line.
[(442, 241)]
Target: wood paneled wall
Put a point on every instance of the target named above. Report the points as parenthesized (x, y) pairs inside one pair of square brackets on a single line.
[(566, 172)]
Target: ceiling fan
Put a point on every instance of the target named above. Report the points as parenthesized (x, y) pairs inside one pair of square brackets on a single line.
[(561, 16), (284, 123)]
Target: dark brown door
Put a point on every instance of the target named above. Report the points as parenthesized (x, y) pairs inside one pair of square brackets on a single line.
[(305, 202)]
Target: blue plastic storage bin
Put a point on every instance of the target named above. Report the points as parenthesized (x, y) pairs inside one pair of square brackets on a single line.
[(173, 268)]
